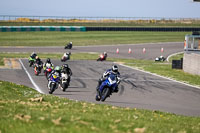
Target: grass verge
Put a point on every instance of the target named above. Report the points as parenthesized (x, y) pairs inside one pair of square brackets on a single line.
[(43, 56), (87, 38), (25, 110)]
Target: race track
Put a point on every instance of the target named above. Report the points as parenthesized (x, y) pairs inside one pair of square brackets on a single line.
[(152, 50), (137, 89)]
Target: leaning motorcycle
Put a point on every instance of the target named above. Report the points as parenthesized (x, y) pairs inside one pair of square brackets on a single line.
[(107, 87), (65, 58), (64, 81), (68, 47), (48, 71), (37, 69), (53, 82), (31, 61), (101, 57)]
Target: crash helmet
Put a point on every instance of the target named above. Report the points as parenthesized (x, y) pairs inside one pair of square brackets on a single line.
[(68, 53), (65, 66), (104, 53), (57, 68), (48, 60), (33, 53), (70, 42), (36, 57), (114, 68)]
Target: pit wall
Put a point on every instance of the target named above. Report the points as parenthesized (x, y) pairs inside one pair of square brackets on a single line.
[(191, 63)]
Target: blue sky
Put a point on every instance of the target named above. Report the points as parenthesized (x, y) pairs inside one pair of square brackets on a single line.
[(102, 8)]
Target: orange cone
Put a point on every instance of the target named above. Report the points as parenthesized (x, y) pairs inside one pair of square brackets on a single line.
[(117, 51), (144, 50), (162, 50), (129, 50)]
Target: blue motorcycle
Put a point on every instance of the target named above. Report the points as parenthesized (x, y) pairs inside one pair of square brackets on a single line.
[(107, 87), (53, 82)]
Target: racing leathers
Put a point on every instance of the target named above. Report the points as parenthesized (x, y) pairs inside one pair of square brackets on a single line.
[(47, 65), (106, 74), (68, 71)]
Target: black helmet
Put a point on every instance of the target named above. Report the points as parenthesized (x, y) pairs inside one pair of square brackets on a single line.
[(114, 68), (48, 60), (65, 66)]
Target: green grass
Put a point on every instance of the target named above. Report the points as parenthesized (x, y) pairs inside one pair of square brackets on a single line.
[(21, 111), (87, 38), (163, 69), (74, 56)]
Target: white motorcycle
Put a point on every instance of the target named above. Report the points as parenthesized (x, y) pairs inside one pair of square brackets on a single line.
[(64, 81)]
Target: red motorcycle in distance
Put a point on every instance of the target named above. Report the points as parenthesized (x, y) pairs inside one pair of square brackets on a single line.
[(102, 57)]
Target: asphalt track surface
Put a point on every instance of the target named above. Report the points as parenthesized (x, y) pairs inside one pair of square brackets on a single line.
[(152, 50), (137, 89)]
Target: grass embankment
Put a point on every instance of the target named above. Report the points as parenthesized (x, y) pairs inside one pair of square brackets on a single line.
[(25, 110), (87, 38)]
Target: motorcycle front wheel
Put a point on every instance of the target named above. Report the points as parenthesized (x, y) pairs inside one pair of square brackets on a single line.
[(105, 93)]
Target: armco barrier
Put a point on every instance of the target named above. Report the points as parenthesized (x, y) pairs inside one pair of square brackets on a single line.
[(41, 28), (82, 28), (163, 29)]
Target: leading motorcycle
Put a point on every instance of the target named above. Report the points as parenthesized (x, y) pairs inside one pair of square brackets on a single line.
[(107, 87)]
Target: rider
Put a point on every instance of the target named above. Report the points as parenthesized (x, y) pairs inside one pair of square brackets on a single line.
[(32, 59), (67, 55), (105, 55), (38, 61), (56, 70), (69, 45), (65, 69), (113, 70), (33, 55), (48, 64)]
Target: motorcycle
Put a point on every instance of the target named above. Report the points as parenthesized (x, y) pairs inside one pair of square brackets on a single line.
[(65, 57), (48, 71), (101, 57), (69, 46), (37, 69), (161, 58), (31, 61), (53, 82), (64, 81), (107, 87)]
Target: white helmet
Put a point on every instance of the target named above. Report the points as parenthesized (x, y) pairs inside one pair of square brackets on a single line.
[(70, 42)]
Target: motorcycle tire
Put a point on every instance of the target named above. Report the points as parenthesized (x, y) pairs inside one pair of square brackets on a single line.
[(98, 59), (105, 93), (64, 87), (52, 88), (98, 98)]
